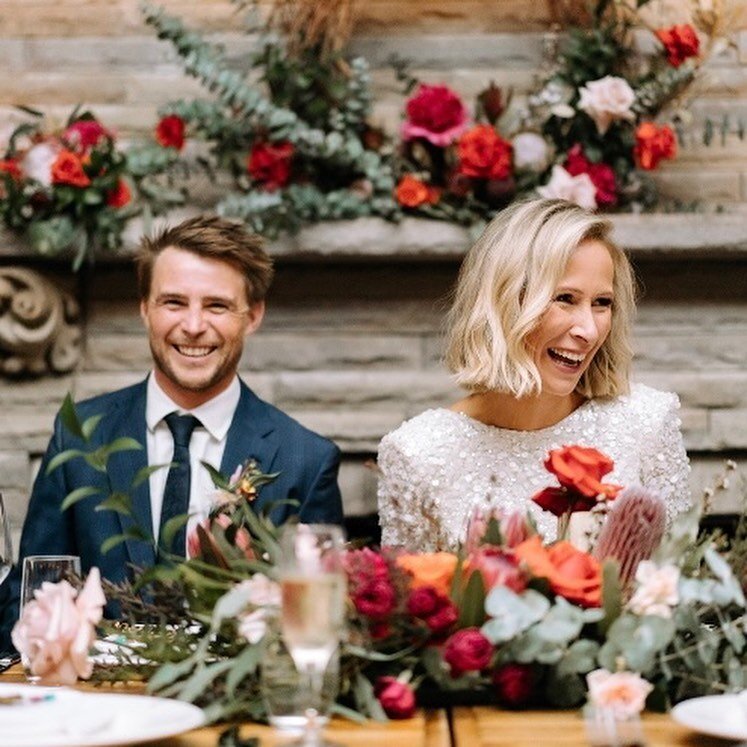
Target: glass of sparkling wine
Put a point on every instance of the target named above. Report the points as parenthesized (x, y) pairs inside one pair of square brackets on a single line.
[(313, 585), (6, 550)]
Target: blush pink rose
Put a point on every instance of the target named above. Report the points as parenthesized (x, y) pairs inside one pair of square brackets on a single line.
[(57, 629)]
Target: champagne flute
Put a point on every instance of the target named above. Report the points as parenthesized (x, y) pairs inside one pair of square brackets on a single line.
[(313, 585), (6, 549)]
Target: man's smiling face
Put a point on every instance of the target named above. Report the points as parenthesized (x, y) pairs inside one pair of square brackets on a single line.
[(197, 316)]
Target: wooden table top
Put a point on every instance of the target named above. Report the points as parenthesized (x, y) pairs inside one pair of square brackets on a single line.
[(426, 729), (481, 726), (493, 727)]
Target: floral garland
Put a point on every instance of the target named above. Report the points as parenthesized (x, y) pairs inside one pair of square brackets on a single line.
[(74, 189), (509, 618)]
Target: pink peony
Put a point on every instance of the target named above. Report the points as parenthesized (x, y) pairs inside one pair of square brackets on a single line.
[(85, 134), (57, 629), (436, 114)]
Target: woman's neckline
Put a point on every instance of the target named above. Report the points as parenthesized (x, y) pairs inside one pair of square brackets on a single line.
[(571, 416)]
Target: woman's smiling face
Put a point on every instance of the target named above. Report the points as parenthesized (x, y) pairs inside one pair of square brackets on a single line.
[(577, 321)]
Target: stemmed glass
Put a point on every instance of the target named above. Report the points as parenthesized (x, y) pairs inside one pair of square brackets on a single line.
[(6, 550), (313, 609)]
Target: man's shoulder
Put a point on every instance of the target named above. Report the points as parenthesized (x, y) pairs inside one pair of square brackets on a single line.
[(109, 401), (291, 429)]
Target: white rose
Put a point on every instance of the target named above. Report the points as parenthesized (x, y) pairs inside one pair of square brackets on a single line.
[(606, 100), (656, 590), (562, 186), (530, 152), (37, 163)]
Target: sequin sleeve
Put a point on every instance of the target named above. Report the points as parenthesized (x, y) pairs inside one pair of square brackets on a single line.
[(664, 464), (407, 512)]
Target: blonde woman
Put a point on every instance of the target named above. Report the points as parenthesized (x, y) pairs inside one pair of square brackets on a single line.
[(539, 336)]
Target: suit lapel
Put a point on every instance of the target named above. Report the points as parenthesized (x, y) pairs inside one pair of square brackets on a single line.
[(251, 435), (129, 420)]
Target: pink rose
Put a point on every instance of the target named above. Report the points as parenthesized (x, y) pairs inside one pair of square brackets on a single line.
[(57, 629), (607, 100), (396, 698), (623, 692), (468, 650), (562, 186), (436, 114)]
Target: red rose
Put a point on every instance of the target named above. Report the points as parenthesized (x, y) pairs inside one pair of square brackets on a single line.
[(680, 42), (572, 574), (424, 601), (601, 174), (85, 134), (68, 169), (396, 698), (270, 164), (468, 650), (119, 196), (443, 618), (483, 154), (652, 144), (436, 114), (170, 132), (514, 684), (375, 599), (12, 167)]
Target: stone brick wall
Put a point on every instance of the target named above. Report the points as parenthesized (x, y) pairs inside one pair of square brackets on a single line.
[(352, 337)]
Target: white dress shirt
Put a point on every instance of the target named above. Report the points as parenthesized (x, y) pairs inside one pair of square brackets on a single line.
[(206, 445)]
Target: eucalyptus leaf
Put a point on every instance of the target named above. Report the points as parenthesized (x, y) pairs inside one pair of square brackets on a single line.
[(78, 495)]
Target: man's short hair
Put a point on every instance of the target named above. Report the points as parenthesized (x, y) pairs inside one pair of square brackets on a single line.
[(505, 286), (214, 238)]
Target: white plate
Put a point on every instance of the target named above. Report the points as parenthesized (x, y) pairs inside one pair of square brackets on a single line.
[(62, 717), (717, 715)]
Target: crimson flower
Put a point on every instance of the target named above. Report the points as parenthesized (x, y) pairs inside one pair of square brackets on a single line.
[(680, 43), (467, 650), (170, 132), (270, 164), (396, 698), (602, 175), (436, 114)]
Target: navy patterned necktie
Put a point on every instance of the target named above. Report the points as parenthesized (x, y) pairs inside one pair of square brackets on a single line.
[(176, 492)]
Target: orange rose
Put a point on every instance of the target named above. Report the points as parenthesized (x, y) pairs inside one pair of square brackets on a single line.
[(652, 144), (581, 468), (572, 574), (68, 169), (411, 192), (680, 42), (430, 569)]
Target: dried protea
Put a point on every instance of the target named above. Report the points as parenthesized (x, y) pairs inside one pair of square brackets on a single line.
[(634, 528)]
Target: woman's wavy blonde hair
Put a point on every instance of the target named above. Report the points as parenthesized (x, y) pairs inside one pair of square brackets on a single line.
[(505, 285)]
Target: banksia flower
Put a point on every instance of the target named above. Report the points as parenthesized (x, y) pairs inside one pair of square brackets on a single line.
[(633, 530)]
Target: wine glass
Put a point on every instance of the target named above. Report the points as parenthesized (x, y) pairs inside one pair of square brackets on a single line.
[(6, 549), (313, 584)]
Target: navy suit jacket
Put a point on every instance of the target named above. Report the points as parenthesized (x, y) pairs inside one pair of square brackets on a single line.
[(307, 463)]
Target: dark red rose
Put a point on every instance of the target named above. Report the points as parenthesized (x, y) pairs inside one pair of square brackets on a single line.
[(492, 103), (396, 698), (380, 630), (443, 618), (170, 132), (514, 684), (270, 164), (680, 42), (424, 601), (119, 196), (375, 598), (468, 650), (601, 174), (68, 169), (483, 154)]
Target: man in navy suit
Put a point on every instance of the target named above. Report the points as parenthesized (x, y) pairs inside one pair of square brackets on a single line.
[(202, 287)]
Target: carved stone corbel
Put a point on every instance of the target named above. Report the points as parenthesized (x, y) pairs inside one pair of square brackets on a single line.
[(40, 329)]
